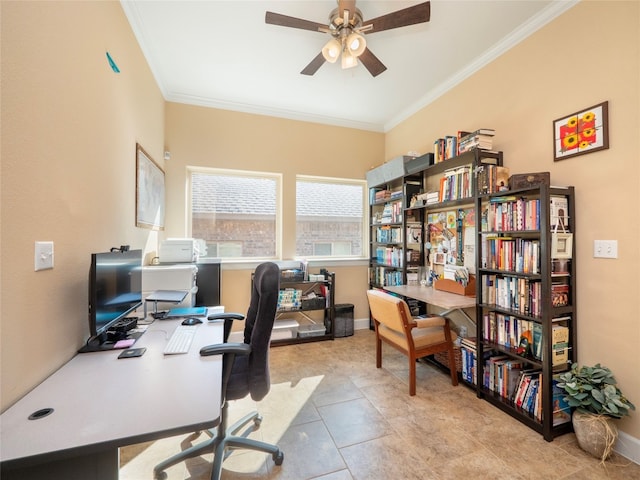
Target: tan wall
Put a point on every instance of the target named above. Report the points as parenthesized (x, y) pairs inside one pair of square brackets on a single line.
[(69, 131), (588, 55), (206, 137)]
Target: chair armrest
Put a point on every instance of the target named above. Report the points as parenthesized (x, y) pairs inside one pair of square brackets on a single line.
[(228, 321), (226, 316), (223, 348), (429, 322)]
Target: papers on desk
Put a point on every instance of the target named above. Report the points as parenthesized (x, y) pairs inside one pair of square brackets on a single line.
[(457, 274)]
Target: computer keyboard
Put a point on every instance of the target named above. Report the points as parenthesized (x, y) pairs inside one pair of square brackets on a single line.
[(180, 340)]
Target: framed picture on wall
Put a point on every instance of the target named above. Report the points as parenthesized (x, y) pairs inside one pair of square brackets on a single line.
[(582, 132), (149, 191)]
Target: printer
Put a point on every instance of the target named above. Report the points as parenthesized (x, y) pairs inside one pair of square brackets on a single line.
[(178, 250)]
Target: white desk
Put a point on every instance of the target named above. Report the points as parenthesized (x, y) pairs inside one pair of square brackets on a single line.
[(438, 298), (101, 402)]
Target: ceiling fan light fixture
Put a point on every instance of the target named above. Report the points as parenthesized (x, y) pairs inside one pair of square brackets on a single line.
[(356, 44), (331, 51), (348, 60)]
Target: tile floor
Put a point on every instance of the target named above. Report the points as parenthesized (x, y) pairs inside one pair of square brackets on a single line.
[(337, 417)]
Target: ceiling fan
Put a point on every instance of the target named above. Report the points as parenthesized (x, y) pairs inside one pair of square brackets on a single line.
[(346, 28)]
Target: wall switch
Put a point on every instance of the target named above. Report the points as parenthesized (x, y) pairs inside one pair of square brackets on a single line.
[(43, 258), (605, 249)]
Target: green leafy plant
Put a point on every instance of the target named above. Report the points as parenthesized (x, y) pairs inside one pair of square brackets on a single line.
[(594, 390)]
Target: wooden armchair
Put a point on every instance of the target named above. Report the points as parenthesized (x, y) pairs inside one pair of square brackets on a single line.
[(416, 338)]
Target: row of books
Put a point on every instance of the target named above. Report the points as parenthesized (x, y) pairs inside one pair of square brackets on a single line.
[(453, 145), (485, 142), (392, 213), (525, 336), (509, 378), (388, 234), (468, 351), (513, 254), (445, 148), (386, 195), (390, 256), (492, 179), (384, 277), (521, 295), (508, 331), (456, 184), (511, 214), (559, 343)]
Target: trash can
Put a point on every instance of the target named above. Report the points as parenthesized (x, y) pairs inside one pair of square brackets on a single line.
[(344, 320)]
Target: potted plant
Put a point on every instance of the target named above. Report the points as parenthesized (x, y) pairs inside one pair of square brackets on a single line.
[(597, 400)]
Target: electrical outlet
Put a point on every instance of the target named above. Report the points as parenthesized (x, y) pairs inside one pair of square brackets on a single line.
[(43, 257), (605, 249)]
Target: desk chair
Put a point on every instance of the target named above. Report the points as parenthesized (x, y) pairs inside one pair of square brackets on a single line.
[(245, 371), (415, 337)]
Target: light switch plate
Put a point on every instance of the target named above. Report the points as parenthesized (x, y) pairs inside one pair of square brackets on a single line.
[(43, 258), (605, 249)]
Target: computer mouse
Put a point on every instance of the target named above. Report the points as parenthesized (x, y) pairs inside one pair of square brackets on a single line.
[(191, 321)]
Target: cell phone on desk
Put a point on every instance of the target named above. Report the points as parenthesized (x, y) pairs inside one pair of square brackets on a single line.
[(132, 352)]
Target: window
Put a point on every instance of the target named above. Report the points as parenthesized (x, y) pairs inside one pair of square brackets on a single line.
[(330, 216), (237, 213)]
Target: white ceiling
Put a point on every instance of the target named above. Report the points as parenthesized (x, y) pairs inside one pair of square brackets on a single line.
[(222, 54)]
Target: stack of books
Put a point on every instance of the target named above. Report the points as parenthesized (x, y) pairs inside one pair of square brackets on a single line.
[(481, 138), (468, 349)]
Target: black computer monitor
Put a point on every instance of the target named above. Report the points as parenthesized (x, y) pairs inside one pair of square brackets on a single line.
[(115, 289)]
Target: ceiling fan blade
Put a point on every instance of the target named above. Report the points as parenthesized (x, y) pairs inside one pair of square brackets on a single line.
[(315, 64), (293, 22), (401, 18), (372, 63)]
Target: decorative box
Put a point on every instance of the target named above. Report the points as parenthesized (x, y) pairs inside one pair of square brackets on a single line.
[(527, 180)]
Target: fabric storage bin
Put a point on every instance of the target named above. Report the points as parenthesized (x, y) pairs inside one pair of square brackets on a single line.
[(344, 320)]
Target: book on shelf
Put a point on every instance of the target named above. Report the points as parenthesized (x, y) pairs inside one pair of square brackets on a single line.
[(561, 409), (537, 340), (450, 146), (483, 131), (438, 150), (524, 382), (559, 294), (560, 344), (459, 136), (469, 343), (414, 233), (492, 179), (559, 212)]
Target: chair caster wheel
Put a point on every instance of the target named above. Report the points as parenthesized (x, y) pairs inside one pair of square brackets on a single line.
[(257, 421), (160, 476), (278, 457)]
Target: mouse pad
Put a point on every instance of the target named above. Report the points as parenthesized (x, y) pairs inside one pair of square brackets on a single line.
[(132, 352)]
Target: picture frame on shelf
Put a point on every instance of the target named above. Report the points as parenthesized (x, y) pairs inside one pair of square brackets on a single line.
[(584, 131), (150, 192), (561, 245)]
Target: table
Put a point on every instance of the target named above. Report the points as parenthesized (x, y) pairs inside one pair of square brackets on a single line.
[(101, 403), (449, 301)]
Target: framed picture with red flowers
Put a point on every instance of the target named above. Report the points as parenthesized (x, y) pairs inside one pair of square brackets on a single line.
[(582, 132)]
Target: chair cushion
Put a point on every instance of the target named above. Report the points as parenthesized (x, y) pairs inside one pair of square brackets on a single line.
[(422, 337)]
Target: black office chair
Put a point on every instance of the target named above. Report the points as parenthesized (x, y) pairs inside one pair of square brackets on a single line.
[(245, 371)]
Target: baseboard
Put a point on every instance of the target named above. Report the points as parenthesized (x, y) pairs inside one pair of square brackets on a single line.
[(628, 447), (361, 324)]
